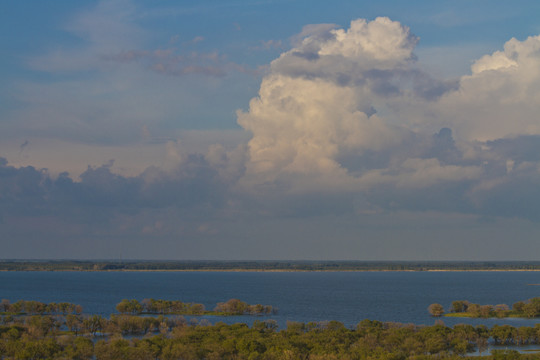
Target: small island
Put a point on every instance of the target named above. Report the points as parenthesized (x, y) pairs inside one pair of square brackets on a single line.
[(462, 308), (177, 307), (31, 307)]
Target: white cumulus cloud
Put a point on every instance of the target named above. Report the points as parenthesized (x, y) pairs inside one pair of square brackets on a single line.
[(501, 97)]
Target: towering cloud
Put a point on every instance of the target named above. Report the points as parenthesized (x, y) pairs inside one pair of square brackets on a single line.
[(310, 107), (328, 102)]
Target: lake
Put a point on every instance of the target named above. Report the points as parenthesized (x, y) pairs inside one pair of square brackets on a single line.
[(348, 297)]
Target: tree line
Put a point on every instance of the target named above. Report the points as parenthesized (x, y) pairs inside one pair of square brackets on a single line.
[(202, 265), (36, 307), (158, 306), (462, 308)]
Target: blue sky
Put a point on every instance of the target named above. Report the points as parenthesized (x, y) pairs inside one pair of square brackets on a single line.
[(270, 129)]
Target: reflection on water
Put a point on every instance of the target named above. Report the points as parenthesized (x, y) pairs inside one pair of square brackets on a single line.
[(524, 349)]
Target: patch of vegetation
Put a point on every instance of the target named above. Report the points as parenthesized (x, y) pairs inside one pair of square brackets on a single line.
[(136, 337), (463, 308), (176, 307)]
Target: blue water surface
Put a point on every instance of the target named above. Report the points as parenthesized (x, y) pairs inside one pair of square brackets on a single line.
[(348, 297)]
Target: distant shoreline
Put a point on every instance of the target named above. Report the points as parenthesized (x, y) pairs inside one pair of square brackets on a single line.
[(263, 270), (265, 266), (274, 271)]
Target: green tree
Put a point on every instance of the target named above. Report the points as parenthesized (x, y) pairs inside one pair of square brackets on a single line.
[(474, 310), (93, 324), (501, 310), (531, 310), (518, 306), (5, 305), (233, 306), (40, 325), (459, 306), (436, 309), (74, 323), (486, 311), (504, 334), (129, 307)]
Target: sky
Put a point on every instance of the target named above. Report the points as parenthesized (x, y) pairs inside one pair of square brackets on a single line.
[(277, 129)]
